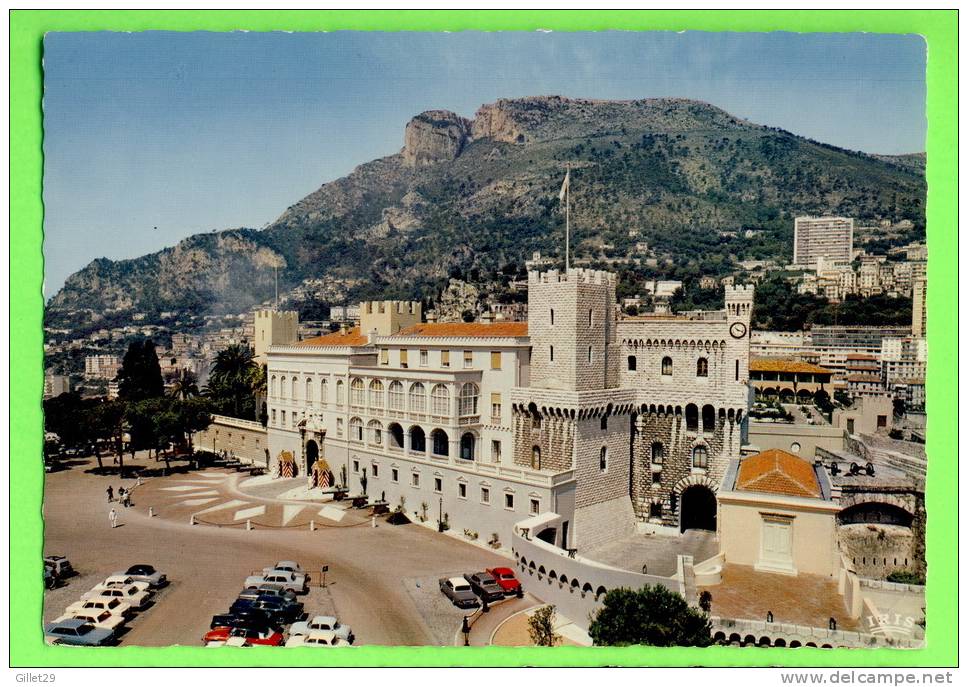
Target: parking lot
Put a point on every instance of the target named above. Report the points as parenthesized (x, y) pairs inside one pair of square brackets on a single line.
[(367, 583)]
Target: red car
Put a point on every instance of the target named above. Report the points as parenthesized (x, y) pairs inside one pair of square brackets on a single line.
[(506, 580), (250, 636)]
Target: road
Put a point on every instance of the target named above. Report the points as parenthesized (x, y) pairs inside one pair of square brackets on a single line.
[(207, 565)]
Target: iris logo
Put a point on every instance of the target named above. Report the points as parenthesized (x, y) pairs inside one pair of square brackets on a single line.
[(891, 624)]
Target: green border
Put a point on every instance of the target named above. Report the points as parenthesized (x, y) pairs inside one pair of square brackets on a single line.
[(939, 28)]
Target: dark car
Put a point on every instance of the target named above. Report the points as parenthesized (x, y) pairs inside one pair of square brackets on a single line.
[(485, 586), (251, 614), (147, 573), (279, 611)]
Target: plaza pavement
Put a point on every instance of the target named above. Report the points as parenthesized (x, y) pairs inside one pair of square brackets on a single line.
[(368, 567)]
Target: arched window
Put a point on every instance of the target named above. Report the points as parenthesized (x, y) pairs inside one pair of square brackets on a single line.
[(603, 459), (339, 392), (395, 397), (295, 394), (468, 399), (396, 435), (467, 446), (357, 392), (418, 440), (323, 391), (658, 453), (282, 387), (309, 390), (440, 400), (603, 423), (700, 457), (418, 398), (667, 366), (535, 457), (356, 429), (375, 432), (692, 418), (274, 387), (708, 418), (376, 394), (440, 443), (632, 363), (702, 368)]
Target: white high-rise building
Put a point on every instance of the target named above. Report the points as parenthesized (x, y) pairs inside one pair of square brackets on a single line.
[(831, 238)]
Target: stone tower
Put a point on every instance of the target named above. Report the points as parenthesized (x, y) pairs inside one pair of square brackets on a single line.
[(388, 317), (273, 327), (571, 322), (739, 314)]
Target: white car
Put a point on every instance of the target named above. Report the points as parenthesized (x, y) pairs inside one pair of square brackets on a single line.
[(317, 638), (121, 580), (129, 594), (322, 622), (290, 581), (112, 605), (101, 619)]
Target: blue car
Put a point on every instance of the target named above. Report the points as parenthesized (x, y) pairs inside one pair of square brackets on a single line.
[(77, 632)]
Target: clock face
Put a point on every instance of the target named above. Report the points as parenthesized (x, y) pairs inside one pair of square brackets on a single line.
[(737, 330)]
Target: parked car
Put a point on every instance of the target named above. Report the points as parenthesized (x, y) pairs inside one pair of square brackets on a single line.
[(251, 635), (322, 622), (250, 615), (279, 610), (129, 594), (50, 581), (125, 580), (142, 572), (294, 582), (485, 586), (76, 632), (317, 638), (505, 579), (459, 591), (274, 589), (109, 604), (104, 620), (60, 566), (288, 566)]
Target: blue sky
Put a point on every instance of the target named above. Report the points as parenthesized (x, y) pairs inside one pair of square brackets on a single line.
[(190, 132)]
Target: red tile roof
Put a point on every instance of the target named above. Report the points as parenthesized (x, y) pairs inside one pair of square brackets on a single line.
[(466, 329), (352, 337), (785, 365), (778, 472)]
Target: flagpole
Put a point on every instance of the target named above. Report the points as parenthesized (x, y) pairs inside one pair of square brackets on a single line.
[(567, 221)]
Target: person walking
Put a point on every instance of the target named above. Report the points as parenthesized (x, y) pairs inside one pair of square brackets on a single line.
[(121, 493), (110, 491), (113, 517)]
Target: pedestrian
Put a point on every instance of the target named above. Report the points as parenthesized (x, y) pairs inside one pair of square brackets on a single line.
[(110, 491), (120, 494), (126, 501), (113, 517)]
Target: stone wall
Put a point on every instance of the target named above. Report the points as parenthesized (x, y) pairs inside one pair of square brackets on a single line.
[(875, 551), (245, 439)]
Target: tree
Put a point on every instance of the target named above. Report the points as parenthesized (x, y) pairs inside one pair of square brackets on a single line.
[(234, 381), (140, 375), (652, 615), (185, 385), (541, 627)]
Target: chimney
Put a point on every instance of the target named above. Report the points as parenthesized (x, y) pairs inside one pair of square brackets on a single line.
[(487, 317), (371, 336), (431, 316), (343, 329)]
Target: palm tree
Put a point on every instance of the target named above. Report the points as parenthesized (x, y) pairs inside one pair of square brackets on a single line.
[(234, 378), (185, 385)]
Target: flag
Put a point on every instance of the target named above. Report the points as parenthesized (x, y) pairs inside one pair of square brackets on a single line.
[(564, 186)]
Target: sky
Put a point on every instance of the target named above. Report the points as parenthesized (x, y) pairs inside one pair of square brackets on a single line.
[(151, 137)]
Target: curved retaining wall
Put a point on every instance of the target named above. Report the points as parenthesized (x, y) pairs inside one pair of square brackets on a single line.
[(575, 586)]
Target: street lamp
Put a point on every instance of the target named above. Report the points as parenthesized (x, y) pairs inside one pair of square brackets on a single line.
[(440, 514)]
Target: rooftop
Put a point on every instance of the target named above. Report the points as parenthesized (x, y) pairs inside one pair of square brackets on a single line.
[(466, 329), (778, 472), (352, 337), (785, 365)]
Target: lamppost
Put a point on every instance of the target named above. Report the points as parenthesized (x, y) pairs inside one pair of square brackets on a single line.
[(440, 515)]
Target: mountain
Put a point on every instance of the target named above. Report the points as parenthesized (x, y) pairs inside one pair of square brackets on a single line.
[(474, 197)]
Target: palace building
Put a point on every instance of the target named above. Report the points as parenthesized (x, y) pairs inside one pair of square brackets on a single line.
[(603, 419)]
